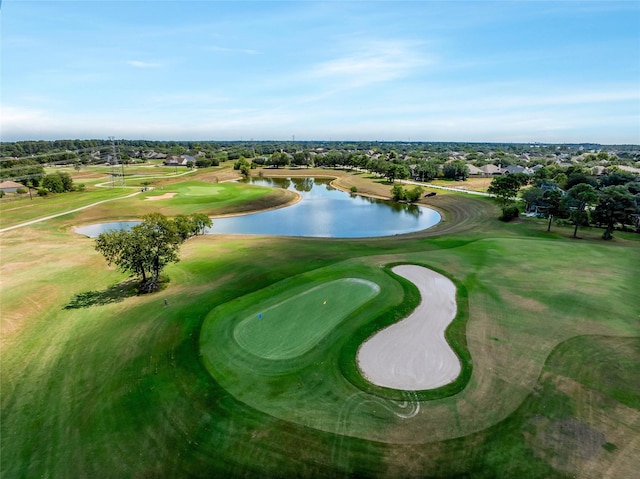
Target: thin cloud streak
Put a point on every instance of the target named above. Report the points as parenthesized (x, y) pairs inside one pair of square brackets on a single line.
[(247, 51), (141, 64), (374, 62)]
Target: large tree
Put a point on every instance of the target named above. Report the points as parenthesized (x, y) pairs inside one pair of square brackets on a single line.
[(455, 170), (396, 171), (505, 188), (615, 205), (57, 182), (580, 196), (148, 247), (279, 158), (553, 200), (427, 170)]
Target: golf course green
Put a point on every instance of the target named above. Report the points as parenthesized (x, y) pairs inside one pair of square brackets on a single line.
[(288, 327), (238, 367)]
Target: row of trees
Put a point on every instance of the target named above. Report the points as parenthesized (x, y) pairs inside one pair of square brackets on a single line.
[(389, 166), (24, 148), (148, 247), (32, 175), (612, 200)]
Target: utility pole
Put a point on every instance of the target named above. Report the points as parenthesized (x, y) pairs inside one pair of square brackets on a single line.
[(114, 166)]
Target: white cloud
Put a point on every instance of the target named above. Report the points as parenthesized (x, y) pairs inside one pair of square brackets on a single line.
[(372, 62), (247, 51), (188, 99), (141, 64)]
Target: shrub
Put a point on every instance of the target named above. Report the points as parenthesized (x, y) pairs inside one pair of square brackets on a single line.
[(509, 213), (43, 192), (398, 193), (354, 189), (240, 163), (414, 194), (21, 191), (203, 162)]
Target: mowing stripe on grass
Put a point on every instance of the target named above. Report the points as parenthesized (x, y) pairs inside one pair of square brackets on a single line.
[(294, 325)]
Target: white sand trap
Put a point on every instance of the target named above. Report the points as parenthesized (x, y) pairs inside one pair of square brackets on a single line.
[(413, 354), (166, 196)]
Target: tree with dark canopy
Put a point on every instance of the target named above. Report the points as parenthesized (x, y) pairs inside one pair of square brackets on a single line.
[(148, 247)]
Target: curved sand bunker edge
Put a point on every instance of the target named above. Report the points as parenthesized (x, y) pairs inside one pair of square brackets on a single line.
[(166, 196), (413, 354)]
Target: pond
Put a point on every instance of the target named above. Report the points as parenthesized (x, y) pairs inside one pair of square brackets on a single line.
[(323, 212)]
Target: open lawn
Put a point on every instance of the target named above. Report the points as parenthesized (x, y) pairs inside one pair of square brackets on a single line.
[(99, 382), (471, 184)]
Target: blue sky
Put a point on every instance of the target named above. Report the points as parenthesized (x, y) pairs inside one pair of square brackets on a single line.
[(519, 71)]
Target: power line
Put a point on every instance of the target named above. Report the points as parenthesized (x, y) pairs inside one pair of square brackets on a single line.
[(114, 166)]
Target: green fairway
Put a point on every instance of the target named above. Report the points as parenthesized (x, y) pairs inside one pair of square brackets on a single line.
[(293, 325), (183, 197), (99, 382), (212, 190)]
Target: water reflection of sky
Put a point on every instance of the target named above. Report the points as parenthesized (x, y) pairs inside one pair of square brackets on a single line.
[(327, 212), (323, 212)]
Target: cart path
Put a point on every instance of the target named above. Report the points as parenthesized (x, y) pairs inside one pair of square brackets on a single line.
[(100, 185), (45, 218)]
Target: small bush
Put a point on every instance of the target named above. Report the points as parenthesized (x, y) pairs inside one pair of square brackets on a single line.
[(43, 192), (398, 193), (21, 191), (414, 194), (509, 213), (354, 189)]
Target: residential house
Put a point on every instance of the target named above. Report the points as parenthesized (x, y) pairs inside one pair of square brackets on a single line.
[(474, 170), (511, 169), (10, 186), (181, 160), (491, 169)]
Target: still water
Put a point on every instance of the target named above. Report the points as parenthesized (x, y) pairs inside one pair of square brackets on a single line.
[(323, 212)]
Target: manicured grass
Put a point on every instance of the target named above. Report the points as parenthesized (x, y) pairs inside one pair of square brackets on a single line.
[(118, 387), (284, 328), (25, 209), (190, 196)]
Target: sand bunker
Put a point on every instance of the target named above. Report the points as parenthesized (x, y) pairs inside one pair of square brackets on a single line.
[(166, 196), (413, 354)]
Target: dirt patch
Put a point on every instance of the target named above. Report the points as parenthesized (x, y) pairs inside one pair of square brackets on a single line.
[(567, 443)]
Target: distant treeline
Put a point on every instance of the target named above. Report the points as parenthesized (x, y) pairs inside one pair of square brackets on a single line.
[(21, 149)]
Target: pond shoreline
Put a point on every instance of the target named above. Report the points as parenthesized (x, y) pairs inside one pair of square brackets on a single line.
[(327, 212)]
